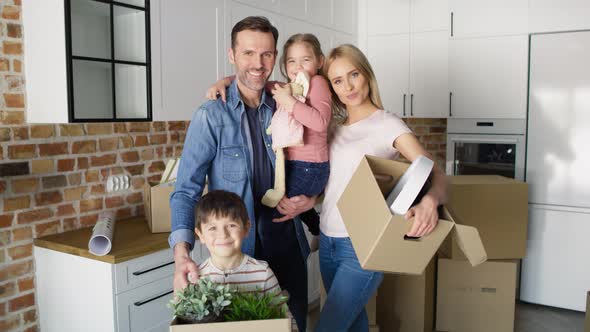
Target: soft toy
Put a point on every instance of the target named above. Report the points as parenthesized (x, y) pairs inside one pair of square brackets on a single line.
[(286, 132)]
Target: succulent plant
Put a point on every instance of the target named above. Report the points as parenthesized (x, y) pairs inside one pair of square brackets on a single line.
[(203, 301)]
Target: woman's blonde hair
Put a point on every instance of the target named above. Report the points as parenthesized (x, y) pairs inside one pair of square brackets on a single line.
[(307, 38), (360, 62)]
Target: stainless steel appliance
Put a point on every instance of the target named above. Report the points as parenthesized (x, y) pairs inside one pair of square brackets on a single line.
[(486, 146)]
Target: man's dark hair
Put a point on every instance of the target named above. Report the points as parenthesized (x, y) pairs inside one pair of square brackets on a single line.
[(220, 204), (255, 23)]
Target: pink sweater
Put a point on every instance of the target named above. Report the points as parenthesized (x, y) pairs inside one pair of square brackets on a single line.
[(315, 116)]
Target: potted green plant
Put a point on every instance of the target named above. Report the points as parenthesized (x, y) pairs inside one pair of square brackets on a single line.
[(256, 306), (203, 302)]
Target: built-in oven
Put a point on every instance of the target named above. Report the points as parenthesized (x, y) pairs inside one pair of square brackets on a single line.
[(482, 146)]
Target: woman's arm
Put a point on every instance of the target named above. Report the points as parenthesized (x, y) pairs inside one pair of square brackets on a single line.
[(425, 213)]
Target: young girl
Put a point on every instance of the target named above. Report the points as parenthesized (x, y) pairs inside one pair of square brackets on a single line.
[(307, 167)]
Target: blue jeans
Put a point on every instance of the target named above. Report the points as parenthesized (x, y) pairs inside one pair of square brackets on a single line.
[(305, 178), (348, 286)]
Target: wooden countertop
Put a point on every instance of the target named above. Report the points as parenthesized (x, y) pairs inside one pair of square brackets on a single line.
[(132, 239)]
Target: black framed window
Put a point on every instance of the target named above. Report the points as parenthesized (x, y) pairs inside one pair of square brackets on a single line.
[(108, 59)]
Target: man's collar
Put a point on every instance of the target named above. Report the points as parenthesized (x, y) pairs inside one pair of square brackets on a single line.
[(234, 97)]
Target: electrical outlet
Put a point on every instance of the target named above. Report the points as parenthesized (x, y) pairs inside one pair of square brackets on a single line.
[(118, 183)]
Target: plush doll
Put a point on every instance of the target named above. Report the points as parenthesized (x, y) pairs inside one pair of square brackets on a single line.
[(286, 132)]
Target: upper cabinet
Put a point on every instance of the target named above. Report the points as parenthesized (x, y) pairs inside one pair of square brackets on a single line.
[(187, 44), (488, 77), (488, 18), (409, 55), (564, 15), (87, 61)]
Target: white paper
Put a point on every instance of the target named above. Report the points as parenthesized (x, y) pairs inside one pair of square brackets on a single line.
[(101, 240)]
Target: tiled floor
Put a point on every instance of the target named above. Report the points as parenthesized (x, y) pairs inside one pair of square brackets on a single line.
[(529, 318)]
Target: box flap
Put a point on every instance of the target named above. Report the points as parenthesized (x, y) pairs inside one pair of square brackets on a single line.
[(468, 240), (363, 210)]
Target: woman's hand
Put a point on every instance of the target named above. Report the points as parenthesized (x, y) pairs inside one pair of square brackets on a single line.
[(283, 95), (425, 217), (292, 207)]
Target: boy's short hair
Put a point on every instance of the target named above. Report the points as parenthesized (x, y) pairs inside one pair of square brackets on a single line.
[(255, 23), (220, 204)]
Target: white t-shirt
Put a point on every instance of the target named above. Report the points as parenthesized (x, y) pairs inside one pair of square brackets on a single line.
[(373, 135)]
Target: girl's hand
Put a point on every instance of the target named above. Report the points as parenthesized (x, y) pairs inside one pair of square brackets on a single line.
[(425, 217), (284, 96), (217, 88)]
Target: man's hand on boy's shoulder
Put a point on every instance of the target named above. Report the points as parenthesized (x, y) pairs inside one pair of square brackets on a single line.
[(185, 269)]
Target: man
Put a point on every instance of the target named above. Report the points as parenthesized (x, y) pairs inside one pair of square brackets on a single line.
[(227, 142)]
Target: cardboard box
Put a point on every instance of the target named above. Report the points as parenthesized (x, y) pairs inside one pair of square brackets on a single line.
[(587, 324), (405, 303), (267, 325), (378, 236), (497, 206), (478, 298), (157, 206)]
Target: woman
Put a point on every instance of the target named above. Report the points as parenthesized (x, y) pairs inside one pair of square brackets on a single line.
[(361, 127)]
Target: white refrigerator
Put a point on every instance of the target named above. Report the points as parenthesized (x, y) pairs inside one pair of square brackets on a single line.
[(556, 270)]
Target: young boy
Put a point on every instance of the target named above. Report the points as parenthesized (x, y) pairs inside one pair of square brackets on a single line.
[(222, 224)]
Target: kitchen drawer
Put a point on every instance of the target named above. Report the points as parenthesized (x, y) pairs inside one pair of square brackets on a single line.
[(143, 270), (144, 308)]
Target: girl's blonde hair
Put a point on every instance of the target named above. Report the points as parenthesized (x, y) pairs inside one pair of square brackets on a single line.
[(360, 62), (307, 38)]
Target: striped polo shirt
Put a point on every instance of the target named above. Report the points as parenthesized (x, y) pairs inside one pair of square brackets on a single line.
[(250, 276)]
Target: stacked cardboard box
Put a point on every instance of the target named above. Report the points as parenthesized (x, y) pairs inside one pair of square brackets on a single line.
[(405, 300), (482, 298)]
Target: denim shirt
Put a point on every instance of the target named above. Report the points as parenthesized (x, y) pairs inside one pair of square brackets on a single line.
[(218, 146)]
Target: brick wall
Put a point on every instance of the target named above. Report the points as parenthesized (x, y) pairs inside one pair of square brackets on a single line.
[(53, 177), (432, 133)]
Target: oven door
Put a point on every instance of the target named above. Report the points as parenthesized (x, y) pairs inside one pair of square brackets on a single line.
[(475, 154)]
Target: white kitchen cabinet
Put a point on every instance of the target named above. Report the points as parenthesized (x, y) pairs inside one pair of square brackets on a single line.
[(339, 38), (272, 5), (390, 58), (488, 77), (76, 293), (75, 72), (320, 12), (429, 85), (187, 43), (565, 15), (411, 71), (387, 16), (295, 9), (488, 18), (345, 15), (405, 16), (429, 15)]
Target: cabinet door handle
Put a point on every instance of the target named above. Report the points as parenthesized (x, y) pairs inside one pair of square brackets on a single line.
[(138, 273), (140, 303), (450, 104), (404, 113), (452, 24), (412, 104)]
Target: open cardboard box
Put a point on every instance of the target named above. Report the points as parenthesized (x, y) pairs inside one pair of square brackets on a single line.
[(378, 236), (157, 206), (267, 325)]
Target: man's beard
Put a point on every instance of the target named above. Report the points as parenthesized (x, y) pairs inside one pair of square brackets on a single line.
[(251, 84)]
